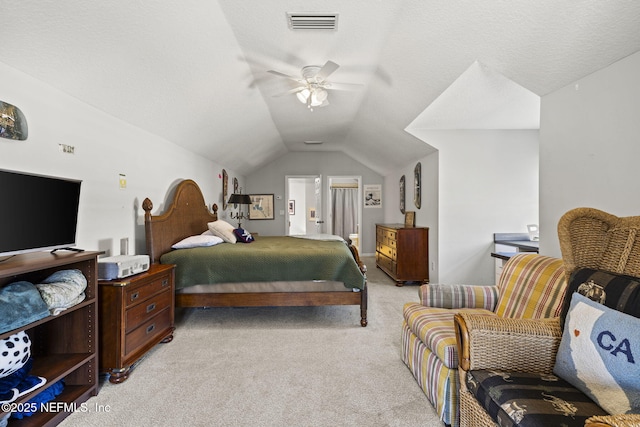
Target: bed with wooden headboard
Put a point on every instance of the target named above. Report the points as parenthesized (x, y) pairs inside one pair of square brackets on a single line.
[(186, 214)]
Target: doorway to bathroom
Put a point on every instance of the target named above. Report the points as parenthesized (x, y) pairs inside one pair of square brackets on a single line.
[(344, 207)]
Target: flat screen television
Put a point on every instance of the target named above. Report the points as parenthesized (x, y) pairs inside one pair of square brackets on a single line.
[(37, 212)]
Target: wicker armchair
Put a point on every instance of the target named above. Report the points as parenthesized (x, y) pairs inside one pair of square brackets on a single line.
[(593, 244)]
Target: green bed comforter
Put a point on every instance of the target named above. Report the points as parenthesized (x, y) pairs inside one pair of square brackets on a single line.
[(267, 258)]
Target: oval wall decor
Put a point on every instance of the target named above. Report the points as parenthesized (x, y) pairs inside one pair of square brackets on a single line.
[(417, 186), (13, 124), (225, 189), (402, 194)]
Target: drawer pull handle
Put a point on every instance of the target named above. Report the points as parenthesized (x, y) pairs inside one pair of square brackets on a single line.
[(165, 282), (150, 328), (134, 296), (151, 307)]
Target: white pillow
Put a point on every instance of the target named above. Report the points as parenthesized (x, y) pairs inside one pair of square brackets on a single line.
[(223, 229), (197, 241), (207, 232)]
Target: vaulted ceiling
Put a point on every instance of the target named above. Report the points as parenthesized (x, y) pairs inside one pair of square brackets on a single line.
[(195, 72)]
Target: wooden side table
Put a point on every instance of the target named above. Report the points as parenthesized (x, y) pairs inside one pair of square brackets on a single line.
[(136, 313)]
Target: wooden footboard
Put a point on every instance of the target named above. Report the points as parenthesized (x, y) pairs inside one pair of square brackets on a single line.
[(187, 215), (276, 299)]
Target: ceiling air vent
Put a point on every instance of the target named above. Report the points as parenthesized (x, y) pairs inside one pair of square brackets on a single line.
[(312, 21)]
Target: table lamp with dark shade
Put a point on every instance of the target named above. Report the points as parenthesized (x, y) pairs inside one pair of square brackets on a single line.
[(239, 199)]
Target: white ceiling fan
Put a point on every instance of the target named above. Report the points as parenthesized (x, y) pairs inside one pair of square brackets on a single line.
[(313, 86)]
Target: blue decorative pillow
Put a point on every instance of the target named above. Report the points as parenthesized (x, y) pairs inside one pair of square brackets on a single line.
[(599, 354), (243, 235)]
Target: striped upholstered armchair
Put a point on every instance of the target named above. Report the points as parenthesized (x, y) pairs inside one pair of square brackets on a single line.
[(579, 369), (530, 286)]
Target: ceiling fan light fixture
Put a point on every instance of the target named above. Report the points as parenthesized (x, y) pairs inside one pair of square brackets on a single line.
[(321, 95), (315, 102), (303, 95)]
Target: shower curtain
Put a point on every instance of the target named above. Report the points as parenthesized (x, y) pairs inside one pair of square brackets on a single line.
[(345, 208)]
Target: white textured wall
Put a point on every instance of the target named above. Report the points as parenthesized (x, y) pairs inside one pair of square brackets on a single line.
[(271, 179), (427, 215), (590, 147), (478, 184), (104, 148)]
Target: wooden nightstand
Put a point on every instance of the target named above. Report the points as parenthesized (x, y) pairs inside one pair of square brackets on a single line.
[(136, 313)]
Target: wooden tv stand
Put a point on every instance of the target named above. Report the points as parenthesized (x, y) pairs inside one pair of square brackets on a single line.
[(63, 346)]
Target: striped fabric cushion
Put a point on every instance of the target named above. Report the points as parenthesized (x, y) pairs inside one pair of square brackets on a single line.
[(458, 296), (531, 286), (439, 383), (434, 327)]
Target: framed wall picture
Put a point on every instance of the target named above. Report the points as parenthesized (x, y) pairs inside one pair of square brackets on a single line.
[(261, 206), (409, 219), (372, 196), (402, 193), (292, 207), (235, 191), (417, 185)]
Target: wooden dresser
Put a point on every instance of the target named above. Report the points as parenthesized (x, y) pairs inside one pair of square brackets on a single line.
[(403, 253), (136, 313)]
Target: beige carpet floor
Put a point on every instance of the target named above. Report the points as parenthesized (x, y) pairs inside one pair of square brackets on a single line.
[(273, 366)]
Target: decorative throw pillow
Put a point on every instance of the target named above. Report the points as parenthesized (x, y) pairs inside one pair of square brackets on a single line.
[(198, 241), (15, 351), (243, 235), (222, 229), (616, 291), (599, 354)]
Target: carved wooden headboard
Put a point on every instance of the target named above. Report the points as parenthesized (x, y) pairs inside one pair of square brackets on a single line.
[(187, 215)]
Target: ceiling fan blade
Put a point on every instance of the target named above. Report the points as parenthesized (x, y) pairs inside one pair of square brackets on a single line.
[(278, 73), (343, 86), (327, 69), (289, 92)]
